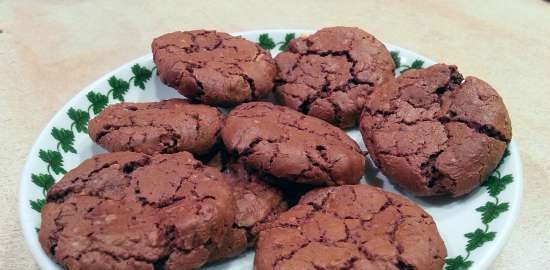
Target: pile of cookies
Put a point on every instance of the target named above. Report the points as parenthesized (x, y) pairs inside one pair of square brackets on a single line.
[(185, 185)]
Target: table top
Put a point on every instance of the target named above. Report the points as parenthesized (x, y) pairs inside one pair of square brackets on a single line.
[(49, 51)]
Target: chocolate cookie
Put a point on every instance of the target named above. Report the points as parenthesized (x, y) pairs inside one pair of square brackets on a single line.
[(133, 211), (214, 67), (167, 126), (257, 201), (331, 73), (434, 133), (351, 227), (288, 145)]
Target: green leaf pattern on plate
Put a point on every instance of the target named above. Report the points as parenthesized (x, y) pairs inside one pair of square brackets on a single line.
[(37, 205), (141, 76), (54, 161), (119, 88), (495, 184), (43, 180), (98, 102), (65, 138), (79, 118), (284, 44), (458, 263), (266, 42), (400, 67)]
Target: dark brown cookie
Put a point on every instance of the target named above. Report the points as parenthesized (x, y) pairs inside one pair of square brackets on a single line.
[(214, 67), (257, 201), (330, 74), (351, 227), (133, 211), (167, 126), (435, 133), (288, 145)]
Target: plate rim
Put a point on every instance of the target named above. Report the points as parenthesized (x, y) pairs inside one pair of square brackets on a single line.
[(23, 188), (506, 231)]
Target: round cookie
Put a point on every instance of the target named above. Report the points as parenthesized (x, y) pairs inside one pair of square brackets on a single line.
[(167, 126), (257, 201), (351, 227), (434, 133), (214, 67), (331, 73), (133, 211), (290, 146)]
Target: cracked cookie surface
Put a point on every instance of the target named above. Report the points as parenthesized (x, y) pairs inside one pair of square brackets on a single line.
[(214, 67), (257, 201), (134, 211), (351, 227), (331, 73), (167, 126), (434, 133), (291, 146)]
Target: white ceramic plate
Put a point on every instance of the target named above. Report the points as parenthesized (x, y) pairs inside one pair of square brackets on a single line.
[(472, 242)]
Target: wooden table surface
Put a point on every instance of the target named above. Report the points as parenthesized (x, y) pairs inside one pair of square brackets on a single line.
[(50, 50)]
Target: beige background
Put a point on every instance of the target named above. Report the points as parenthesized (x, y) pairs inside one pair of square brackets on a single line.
[(49, 51)]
